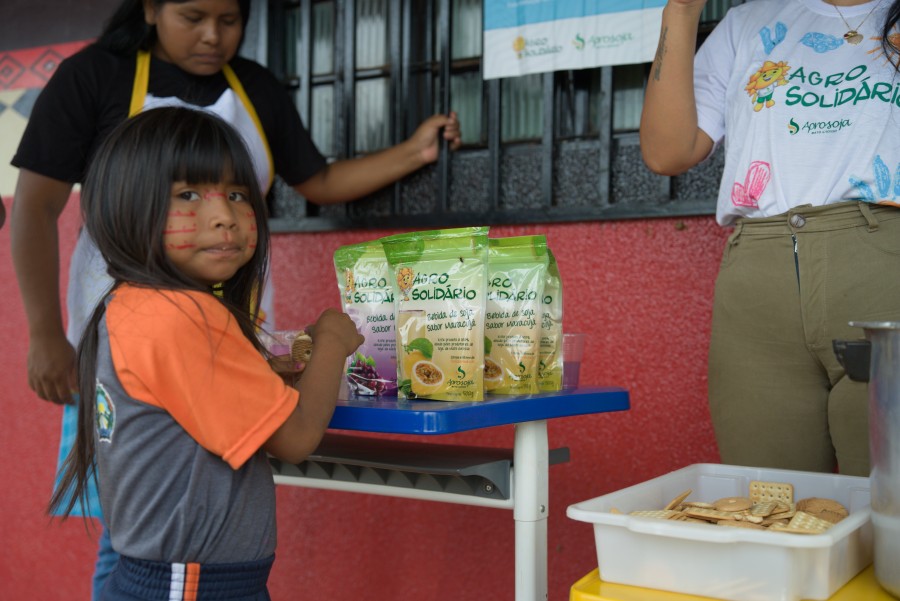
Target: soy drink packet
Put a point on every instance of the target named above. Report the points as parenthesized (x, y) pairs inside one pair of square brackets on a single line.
[(517, 270), (439, 279), (367, 297), (550, 366)]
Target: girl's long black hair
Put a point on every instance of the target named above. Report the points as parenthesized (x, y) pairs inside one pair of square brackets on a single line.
[(125, 204), (890, 35), (126, 31)]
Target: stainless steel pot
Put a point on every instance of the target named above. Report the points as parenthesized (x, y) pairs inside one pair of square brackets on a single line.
[(884, 443)]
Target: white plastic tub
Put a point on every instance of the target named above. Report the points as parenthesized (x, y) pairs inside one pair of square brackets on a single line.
[(729, 563)]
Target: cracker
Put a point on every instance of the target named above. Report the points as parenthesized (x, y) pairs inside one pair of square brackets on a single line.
[(732, 504), (301, 348), (807, 521), (771, 491), (711, 515), (830, 516), (740, 524), (677, 500), (743, 516), (782, 506), (689, 519), (816, 505), (789, 530), (791, 510), (662, 514), (764, 509)]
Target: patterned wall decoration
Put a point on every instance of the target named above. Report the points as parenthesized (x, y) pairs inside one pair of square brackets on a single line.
[(23, 73)]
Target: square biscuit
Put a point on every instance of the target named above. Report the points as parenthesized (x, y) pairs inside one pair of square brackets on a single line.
[(761, 492)]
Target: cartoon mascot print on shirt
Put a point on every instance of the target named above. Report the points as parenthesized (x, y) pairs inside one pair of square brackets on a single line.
[(762, 84)]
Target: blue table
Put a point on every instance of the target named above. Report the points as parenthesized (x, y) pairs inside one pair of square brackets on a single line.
[(399, 416), (528, 469)]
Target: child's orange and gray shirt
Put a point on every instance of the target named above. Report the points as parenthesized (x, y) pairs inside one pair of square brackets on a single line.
[(184, 403)]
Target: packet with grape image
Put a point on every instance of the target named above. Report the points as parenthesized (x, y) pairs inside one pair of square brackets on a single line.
[(440, 280), (517, 269), (550, 367), (367, 298)]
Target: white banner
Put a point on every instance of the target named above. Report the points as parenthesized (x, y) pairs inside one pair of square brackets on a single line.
[(536, 36)]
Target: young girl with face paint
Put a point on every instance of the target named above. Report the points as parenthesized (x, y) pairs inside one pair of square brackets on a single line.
[(160, 53), (179, 404)]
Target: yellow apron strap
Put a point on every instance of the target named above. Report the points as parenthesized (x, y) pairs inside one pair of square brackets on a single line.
[(254, 302), (141, 80), (235, 84), (139, 95)]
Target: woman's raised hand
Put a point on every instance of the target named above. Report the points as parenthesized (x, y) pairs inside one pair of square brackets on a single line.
[(671, 141), (686, 12), (695, 4)]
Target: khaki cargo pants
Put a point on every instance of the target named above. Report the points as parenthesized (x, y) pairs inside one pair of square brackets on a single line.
[(789, 285)]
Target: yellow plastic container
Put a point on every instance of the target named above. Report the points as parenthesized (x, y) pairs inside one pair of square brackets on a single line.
[(592, 588)]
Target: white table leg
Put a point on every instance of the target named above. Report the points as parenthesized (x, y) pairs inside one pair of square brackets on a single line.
[(530, 509)]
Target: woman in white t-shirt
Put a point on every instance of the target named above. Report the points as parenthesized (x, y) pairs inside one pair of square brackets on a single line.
[(805, 96)]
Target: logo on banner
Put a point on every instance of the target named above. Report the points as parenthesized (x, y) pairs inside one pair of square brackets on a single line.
[(531, 47), (610, 41), (554, 35), (602, 42)]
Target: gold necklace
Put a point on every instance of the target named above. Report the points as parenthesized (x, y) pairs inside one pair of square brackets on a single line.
[(853, 36)]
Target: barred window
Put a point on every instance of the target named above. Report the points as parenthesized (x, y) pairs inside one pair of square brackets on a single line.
[(549, 147)]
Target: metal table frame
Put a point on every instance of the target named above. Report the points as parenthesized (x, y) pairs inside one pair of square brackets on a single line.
[(528, 471)]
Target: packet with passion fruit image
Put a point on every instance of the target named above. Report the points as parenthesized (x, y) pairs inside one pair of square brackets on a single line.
[(367, 297), (550, 366), (439, 280), (517, 269)]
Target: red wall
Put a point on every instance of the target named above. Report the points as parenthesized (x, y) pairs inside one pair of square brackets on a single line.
[(641, 289)]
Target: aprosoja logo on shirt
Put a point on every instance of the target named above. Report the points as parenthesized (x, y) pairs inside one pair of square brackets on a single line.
[(819, 127)]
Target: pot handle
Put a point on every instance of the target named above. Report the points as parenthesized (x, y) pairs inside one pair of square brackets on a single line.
[(854, 356)]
